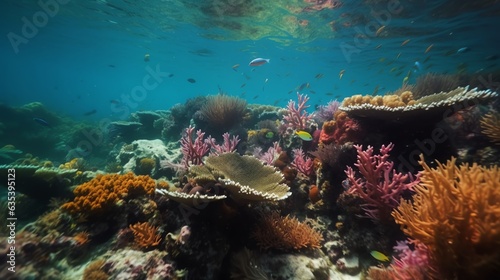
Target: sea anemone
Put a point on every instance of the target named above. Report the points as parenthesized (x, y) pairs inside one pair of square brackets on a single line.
[(222, 112)]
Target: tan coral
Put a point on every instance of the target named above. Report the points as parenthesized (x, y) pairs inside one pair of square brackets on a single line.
[(490, 126), (403, 106)]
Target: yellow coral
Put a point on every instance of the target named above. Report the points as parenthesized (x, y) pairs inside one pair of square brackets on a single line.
[(285, 233), (145, 235), (490, 125), (100, 194), (456, 213), (76, 163)]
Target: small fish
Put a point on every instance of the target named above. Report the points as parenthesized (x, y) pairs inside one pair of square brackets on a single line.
[(380, 30), (393, 69), (491, 57), (318, 76), (375, 91), (111, 65), (290, 92), (89, 113), (379, 256), (302, 86), (329, 93), (312, 91), (304, 135), (405, 42), (429, 48), (243, 85), (382, 59), (341, 74), (378, 46), (255, 97), (266, 80), (146, 57), (450, 52), (170, 75), (42, 122), (235, 67), (426, 59), (191, 80), (417, 66), (463, 50), (259, 61), (399, 54)]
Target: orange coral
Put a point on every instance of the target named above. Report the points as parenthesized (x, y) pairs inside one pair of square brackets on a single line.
[(100, 194), (285, 233), (490, 125), (145, 235), (81, 238), (456, 213)]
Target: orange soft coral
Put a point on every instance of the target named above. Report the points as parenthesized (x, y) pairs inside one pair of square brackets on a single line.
[(285, 233), (145, 235), (100, 194), (456, 214)]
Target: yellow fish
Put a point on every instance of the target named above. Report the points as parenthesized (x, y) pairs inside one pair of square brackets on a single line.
[(379, 256), (304, 135), (380, 30)]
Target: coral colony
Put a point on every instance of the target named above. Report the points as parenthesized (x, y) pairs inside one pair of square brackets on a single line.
[(188, 194)]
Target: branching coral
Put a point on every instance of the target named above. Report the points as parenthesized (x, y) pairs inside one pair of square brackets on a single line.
[(145, 235), (490, 125), (456, 214), (380, 186), (302, 163), (100, 194), (296, 116), (285, 234)]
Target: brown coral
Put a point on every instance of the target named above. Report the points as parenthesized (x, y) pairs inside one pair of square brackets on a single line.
[(145, 235), (456, 214), (285, 234), (94, 271), (222, 112), (146, 166), (100, 194), (490, 125)]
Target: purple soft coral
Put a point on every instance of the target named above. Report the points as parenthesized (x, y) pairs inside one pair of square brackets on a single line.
[(379, 186)]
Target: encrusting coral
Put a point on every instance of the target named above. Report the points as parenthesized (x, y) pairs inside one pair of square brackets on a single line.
[(456, 214), (285, 234), (100, 194), (145, 235), (490, 126)]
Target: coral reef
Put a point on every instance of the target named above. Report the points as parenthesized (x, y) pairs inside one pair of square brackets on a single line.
[(285, 234), (456, 215), (145, 235), (340, 130), (101, 194)]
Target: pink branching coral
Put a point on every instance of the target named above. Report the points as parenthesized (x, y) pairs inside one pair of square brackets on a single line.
[(296, 116), (270, 156), (302, 163), (379, 186), (194, 149), (228, 146), (411, 262)]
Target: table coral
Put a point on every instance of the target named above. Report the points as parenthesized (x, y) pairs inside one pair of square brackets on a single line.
[(100, 194), (456, 214)]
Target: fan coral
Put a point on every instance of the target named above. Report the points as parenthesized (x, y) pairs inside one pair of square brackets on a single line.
[(100, 194), (285, 234), (222, 112), (490, 125), (456, 214), (380, 186), (145, 235)]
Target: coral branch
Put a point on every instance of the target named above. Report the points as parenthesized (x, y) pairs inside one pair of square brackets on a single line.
[(296, 117), (302, 163)]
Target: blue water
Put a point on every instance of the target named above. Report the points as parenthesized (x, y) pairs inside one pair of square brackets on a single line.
[(91, 52)]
